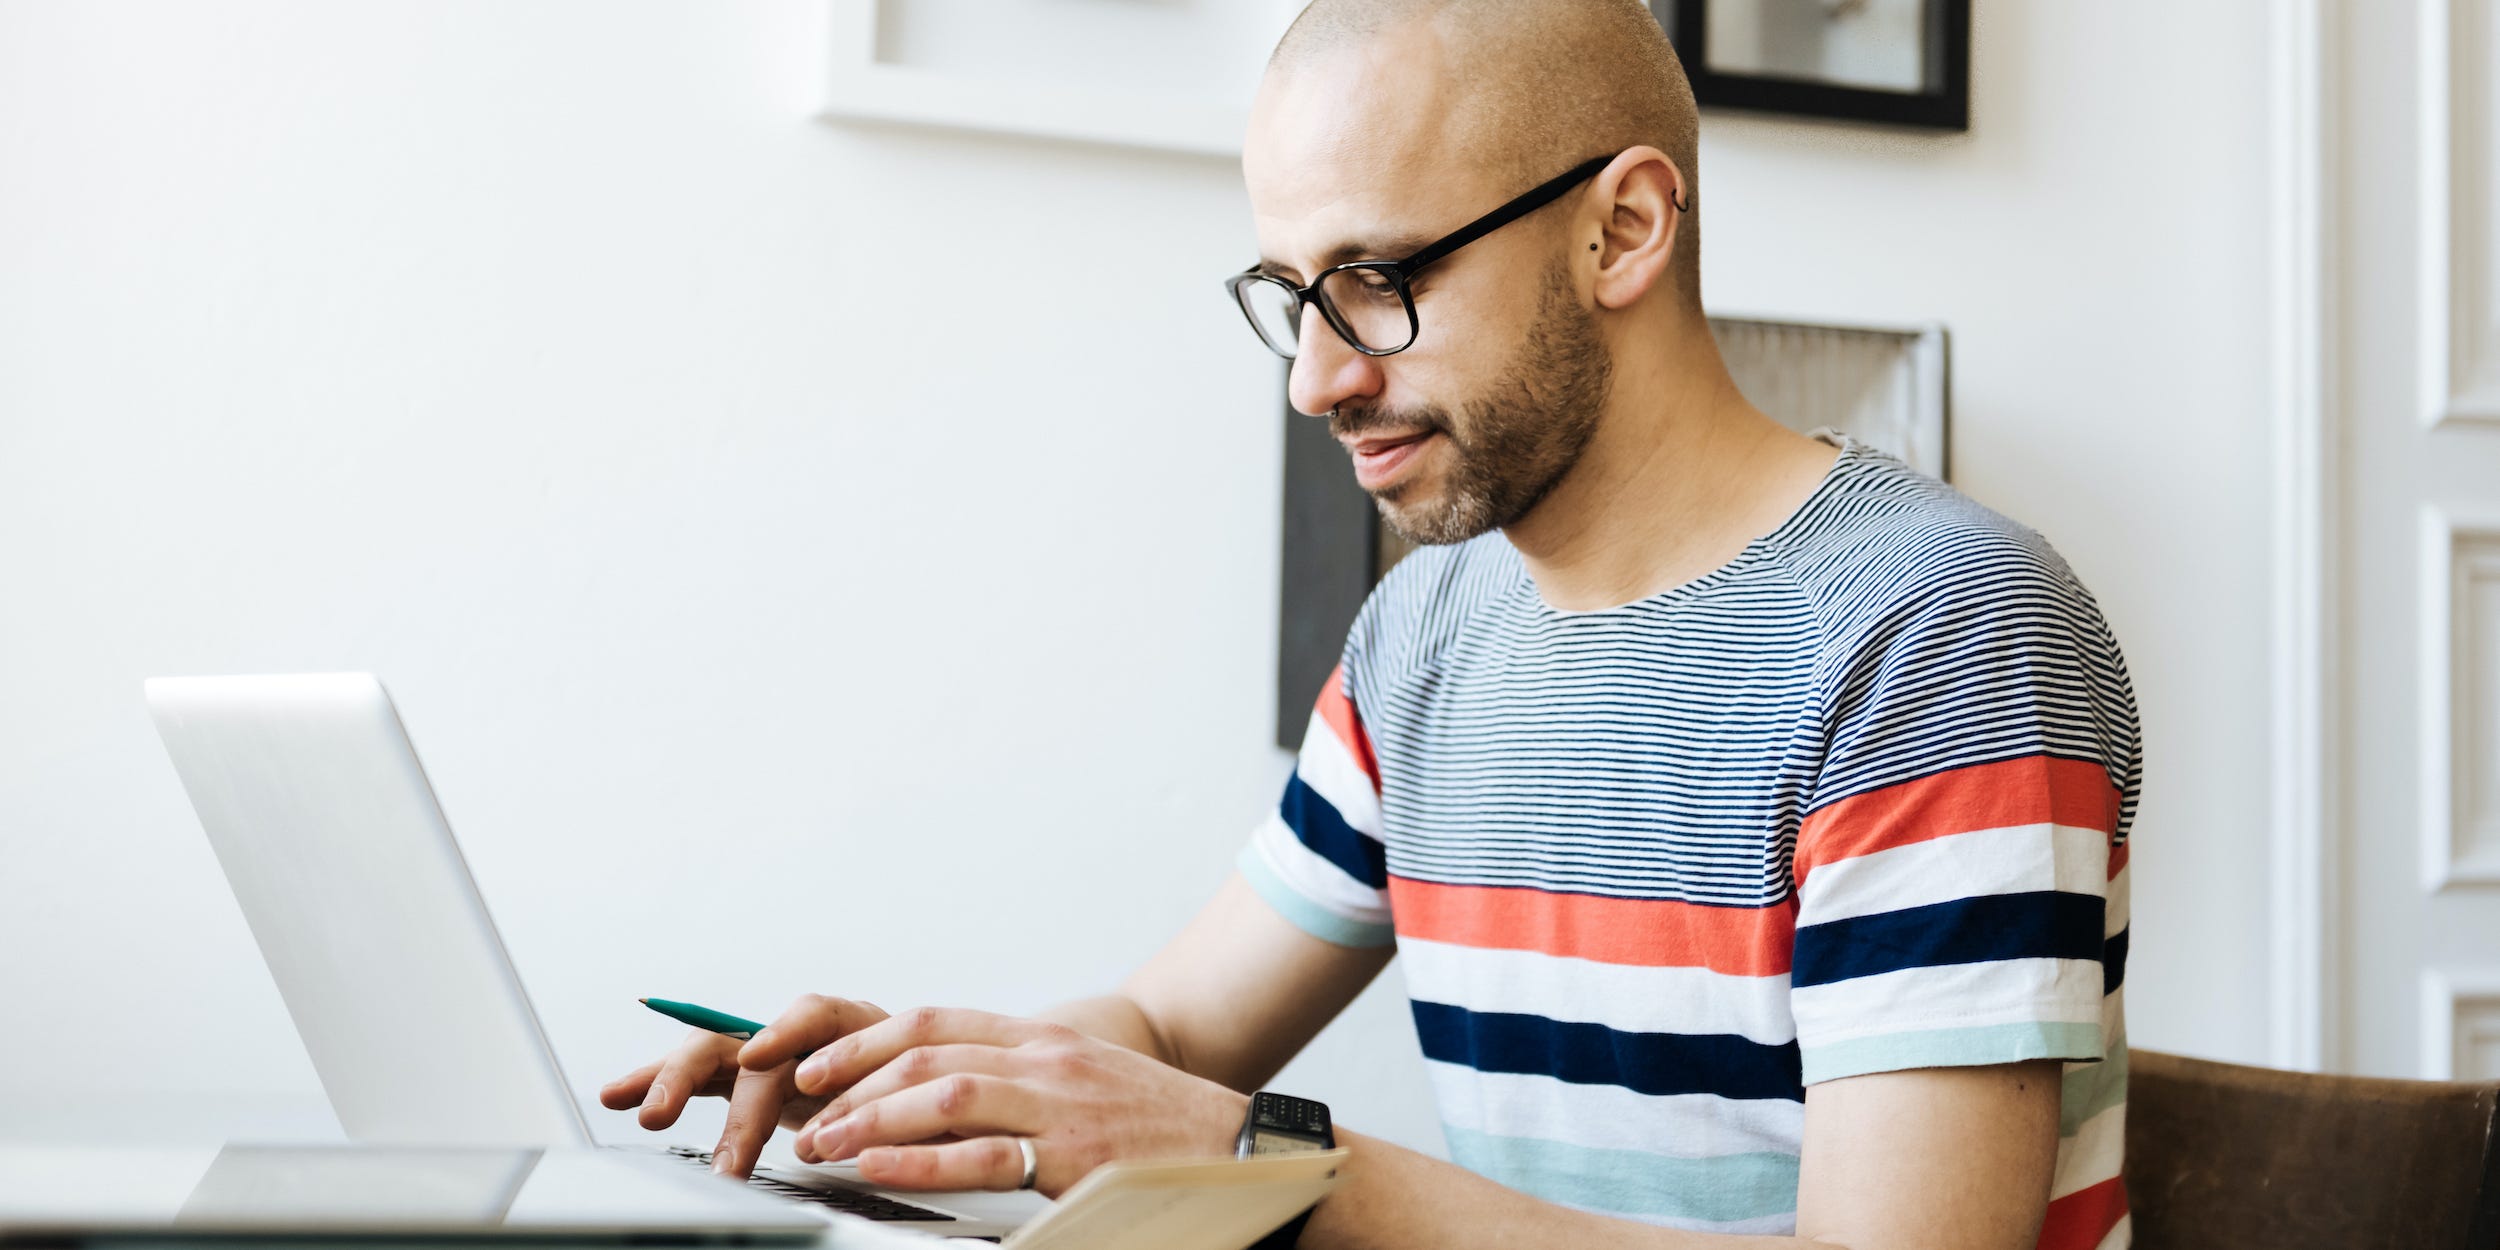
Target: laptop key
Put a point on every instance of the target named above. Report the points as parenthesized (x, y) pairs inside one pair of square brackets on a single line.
[(872, 1206), (853, 1201)]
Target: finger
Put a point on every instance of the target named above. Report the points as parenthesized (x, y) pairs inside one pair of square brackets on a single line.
[(627, 1090), (839, 1064), (962, 1104), (754, 1111), (809, 1023), (700, 1065), (974, 1163), (916, 1066)]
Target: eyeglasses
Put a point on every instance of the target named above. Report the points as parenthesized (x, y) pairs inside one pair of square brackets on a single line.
[(1367, 301)]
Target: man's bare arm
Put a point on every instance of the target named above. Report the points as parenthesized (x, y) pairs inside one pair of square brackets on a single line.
[(1932, 1159), (1238, 992)]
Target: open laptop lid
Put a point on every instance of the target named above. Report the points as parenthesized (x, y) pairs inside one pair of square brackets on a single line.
[(53, 1196), (403, 994)]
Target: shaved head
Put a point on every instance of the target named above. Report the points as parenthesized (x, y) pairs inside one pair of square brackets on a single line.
[(1518, 90), (1381, 127)]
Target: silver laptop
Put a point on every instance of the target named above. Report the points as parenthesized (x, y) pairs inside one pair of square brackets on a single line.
[(410, 1008), (54, 1196)]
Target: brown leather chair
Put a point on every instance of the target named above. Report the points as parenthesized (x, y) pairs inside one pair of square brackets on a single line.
[(2221, 1157)]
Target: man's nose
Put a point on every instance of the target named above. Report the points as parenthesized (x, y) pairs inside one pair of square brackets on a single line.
[(1327, 373)]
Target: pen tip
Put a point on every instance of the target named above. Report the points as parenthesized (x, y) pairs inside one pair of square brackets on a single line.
[(644, 1001)]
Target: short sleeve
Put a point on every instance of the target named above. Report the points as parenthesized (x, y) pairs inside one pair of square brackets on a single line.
[(1960, 897), (1318, 859)]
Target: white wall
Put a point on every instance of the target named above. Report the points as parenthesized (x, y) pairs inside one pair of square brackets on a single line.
[(844, 560)]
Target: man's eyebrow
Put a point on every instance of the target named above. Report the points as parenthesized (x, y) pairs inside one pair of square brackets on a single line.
[(1394, 247)]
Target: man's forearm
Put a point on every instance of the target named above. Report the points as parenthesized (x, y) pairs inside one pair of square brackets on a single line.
[(1117, 1019), (1389, 1197)]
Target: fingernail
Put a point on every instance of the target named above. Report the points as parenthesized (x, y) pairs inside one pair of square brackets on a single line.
[(723, 1155), (813, 1068), (658, 1095), (829, 1139)]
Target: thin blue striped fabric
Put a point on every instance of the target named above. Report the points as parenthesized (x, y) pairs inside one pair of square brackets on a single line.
[(1854, 802)]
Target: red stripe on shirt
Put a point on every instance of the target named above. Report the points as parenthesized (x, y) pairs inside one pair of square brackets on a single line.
[(1338, 711), (2082, 1219), (2033, 790), (1656, 933)]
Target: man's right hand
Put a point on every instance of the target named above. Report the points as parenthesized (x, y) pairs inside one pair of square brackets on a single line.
[(755, 1076)]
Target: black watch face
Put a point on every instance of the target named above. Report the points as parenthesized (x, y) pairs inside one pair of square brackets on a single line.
[(1282, 1123)]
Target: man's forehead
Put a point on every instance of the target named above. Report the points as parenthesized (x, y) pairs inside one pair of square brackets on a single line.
[(1317, 215), (1351, 153)]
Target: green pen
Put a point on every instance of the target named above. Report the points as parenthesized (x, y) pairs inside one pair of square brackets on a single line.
[(736, 1028), (720, 1022)]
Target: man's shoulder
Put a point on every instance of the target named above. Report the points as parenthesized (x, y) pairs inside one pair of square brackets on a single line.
[(1885, 539)]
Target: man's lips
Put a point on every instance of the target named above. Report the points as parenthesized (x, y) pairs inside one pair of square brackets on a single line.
[(1379, 457)]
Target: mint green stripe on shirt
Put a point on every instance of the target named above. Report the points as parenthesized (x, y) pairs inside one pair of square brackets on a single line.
[(2093, 1089), (1951, 1048), (1304, 914), (1718, 1188)]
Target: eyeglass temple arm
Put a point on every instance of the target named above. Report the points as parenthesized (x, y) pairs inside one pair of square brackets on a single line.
[(1537, 197)]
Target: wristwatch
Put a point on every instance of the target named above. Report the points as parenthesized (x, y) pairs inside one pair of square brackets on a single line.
[(1283, 1124)]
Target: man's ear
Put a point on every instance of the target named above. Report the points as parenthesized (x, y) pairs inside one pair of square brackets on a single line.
[(1638, 227)]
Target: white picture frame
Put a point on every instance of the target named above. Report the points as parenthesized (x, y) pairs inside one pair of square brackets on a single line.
[(860, 86), (1888, 386)]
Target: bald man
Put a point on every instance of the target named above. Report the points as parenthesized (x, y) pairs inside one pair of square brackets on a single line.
[(1748, 809)]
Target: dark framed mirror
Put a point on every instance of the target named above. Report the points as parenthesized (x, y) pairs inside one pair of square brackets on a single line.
[(1892, 62)]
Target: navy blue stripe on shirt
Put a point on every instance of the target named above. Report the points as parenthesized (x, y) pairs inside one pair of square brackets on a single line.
[(2042, 924), (1726, 1064), (1318, 825)]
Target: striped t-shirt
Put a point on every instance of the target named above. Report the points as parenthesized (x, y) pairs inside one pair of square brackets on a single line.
[(1854, 802)]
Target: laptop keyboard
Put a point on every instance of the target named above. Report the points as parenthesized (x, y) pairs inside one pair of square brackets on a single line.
[(841, 1198)]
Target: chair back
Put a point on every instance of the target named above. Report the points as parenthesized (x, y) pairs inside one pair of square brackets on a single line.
[(2221, 1157)]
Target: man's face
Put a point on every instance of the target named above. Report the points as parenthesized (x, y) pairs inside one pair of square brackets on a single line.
[(1470, 427)]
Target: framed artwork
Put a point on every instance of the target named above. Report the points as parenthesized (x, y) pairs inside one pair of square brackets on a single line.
[(1885, 386), (1170, 76), (1897, 62)]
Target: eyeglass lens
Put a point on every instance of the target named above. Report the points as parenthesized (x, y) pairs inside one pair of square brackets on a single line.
[(1370, 309), (1274, 313), (1370, 304)]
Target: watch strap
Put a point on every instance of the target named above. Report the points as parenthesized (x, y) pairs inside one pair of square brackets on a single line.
[(1287, 1235)]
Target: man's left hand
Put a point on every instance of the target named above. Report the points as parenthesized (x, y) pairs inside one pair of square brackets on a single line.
[(935, 1098)]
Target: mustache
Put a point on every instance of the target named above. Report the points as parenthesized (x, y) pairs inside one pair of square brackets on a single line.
[(1349, 423)]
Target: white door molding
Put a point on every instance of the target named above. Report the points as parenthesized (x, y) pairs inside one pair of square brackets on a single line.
[(2457, 125), (2460, 1023), (2460, 567), (2302, 801)]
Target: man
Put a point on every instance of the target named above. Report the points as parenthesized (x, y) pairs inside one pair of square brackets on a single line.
[(1749, 810)]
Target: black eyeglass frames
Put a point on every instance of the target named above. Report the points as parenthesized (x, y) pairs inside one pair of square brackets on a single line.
[(1367, 301)]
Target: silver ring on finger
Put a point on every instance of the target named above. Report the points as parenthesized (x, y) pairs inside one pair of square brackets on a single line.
[(1032, 1163)]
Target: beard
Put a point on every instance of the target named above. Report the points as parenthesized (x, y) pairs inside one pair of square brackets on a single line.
[(1509, 448)]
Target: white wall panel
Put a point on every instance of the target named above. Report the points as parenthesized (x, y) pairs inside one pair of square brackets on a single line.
[(2460, 203), (2461, 1025), (2460, 698)]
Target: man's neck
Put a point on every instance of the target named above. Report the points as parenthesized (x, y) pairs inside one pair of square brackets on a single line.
[(1680, 476)]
